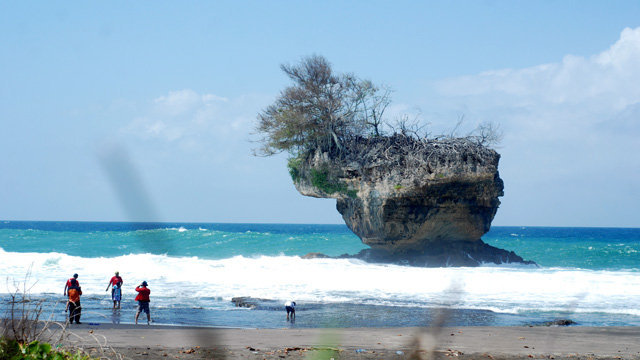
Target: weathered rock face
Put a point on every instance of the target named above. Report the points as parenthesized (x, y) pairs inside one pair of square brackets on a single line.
[(458, 209), (426, 203)]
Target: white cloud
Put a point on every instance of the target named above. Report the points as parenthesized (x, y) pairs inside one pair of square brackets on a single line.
[(191, 119), (185, 101), (609, 78), (574, 96)]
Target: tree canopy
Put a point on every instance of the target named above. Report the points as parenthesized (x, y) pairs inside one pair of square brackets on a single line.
[(323, 110), (320, 110)]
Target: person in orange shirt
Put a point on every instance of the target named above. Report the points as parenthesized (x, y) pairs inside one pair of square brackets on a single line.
[(66, 286), (143, 301), (73, 304)]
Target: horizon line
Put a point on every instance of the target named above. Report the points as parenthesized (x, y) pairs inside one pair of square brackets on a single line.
[(285, 223)]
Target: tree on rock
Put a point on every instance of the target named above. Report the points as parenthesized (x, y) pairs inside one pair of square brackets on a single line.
[(322, 110)]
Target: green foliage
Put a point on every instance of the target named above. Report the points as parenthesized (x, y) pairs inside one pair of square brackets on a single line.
[(321, 180), (35, 350), (320, 110), (294, 168), (9, 349), (398, 187)]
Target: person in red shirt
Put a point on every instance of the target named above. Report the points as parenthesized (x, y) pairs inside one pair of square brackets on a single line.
[(73, 304), (116, 283), (68, 284), (143, 301)]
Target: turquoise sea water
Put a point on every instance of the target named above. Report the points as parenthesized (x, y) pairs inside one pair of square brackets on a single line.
[(591, 275)]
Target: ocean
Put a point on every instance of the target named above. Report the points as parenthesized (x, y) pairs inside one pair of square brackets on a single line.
[(588, 275)]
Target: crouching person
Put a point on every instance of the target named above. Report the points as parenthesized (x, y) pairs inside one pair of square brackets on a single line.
[(290, 307)]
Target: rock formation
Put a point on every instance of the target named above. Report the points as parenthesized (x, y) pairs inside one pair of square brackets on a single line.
[(424, 203)]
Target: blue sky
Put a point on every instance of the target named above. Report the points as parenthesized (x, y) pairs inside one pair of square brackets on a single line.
[(172, 90)]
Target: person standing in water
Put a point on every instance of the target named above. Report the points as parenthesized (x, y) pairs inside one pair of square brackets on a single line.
[(116, 289), (290, 306), (143, 301), (73, 304), (116, 296)]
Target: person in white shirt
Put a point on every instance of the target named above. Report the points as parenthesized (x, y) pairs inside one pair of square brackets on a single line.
[(290, 306)]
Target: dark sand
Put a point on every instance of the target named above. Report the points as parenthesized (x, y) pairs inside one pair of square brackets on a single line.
[(168, 342)]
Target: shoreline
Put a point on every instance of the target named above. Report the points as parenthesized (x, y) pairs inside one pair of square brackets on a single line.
[(188, 342)]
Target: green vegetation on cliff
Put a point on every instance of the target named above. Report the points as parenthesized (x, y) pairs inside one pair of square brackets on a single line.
[(320, 179), (294, 168)]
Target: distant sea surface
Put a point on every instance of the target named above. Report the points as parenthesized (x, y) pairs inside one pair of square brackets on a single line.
[(588, 275)]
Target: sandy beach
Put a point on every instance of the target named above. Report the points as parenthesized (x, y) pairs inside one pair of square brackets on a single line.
[(160, 342)]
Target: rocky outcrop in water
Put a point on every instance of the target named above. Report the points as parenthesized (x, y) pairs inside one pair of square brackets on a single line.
[(424, 203)]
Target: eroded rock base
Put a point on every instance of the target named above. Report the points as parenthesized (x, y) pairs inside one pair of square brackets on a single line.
[(462, 253)]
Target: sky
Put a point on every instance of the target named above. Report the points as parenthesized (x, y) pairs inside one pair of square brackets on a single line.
[(144, 111)]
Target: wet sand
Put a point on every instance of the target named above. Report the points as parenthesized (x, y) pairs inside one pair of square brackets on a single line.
[(162, 342)]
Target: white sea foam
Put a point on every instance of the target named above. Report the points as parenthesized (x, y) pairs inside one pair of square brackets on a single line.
[(178, 229), (501, 289)]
